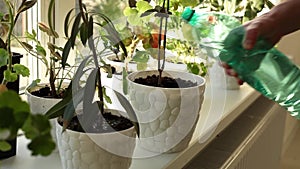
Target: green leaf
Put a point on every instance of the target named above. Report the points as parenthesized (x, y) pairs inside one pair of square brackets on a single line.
[(191, 3), (42, 145), (4, 146), (141, 66), (40, 50), (20, 118), (3, 57), (124, 81), (84, 33), (66, 52), (27, 46), (130, 11), (50, 32), (1, 15), (34, 83), (75, 30), (26, 5), (66, 25), (134, 20), (10, 76), (141, 56), (11, 99), (36, 125), (7, 117), (21, 70), (90, 87), (58, 109), (193, 68), (106, 97), (143, 6), (148, 12), (31, 36), (129, 110)]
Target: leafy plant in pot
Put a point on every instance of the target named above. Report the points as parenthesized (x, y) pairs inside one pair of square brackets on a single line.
[(15, 118), (42, 96), (91, 133), (144, 28), (167, 103)]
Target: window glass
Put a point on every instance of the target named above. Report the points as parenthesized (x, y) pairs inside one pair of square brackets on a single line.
[(21, 23)]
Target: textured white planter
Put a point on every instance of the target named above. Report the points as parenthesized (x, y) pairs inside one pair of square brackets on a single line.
[(167, 116), (94, 151), (40, 105)]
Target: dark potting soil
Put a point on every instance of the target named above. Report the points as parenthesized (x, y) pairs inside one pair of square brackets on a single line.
[(110, 123), (167, 82), (46, 93)]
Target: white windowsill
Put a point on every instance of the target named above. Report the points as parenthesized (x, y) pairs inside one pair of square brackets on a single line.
[(232, 104)]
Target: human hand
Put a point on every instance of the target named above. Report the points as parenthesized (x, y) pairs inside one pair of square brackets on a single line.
[(271, 27), (229, 71)]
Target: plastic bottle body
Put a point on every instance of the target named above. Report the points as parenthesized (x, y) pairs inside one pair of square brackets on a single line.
[(265, 69)]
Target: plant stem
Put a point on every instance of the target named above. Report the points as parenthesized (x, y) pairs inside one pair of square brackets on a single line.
[(164, 17), (98, 78), (8, 40), (82, 11)]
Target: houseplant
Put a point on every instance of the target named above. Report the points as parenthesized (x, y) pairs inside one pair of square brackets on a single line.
[(167, 103), (15, 118), (87, 129), (143, 28), (42, 96)]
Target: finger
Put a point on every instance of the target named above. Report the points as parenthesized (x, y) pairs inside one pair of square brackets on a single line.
[(251, 35), (231, 72), (239, 81), (224, 65)]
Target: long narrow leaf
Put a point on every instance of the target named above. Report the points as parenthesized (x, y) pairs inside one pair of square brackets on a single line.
[(89, 91), (50, 10), (67, 22), (26, 5), (75, 29), (130, 111), (90, 27), (124, 81), (66, 52), (84, 33), (58, 109)]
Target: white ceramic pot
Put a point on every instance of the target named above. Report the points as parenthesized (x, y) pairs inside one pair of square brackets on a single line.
[(93, 151), (40, 105), (167, 116)]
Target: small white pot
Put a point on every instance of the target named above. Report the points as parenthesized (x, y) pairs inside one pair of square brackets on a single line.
[(40, 105), (93, 151), (167, 116)]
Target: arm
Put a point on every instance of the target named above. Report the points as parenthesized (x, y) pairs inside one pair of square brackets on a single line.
[(281, 20)]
